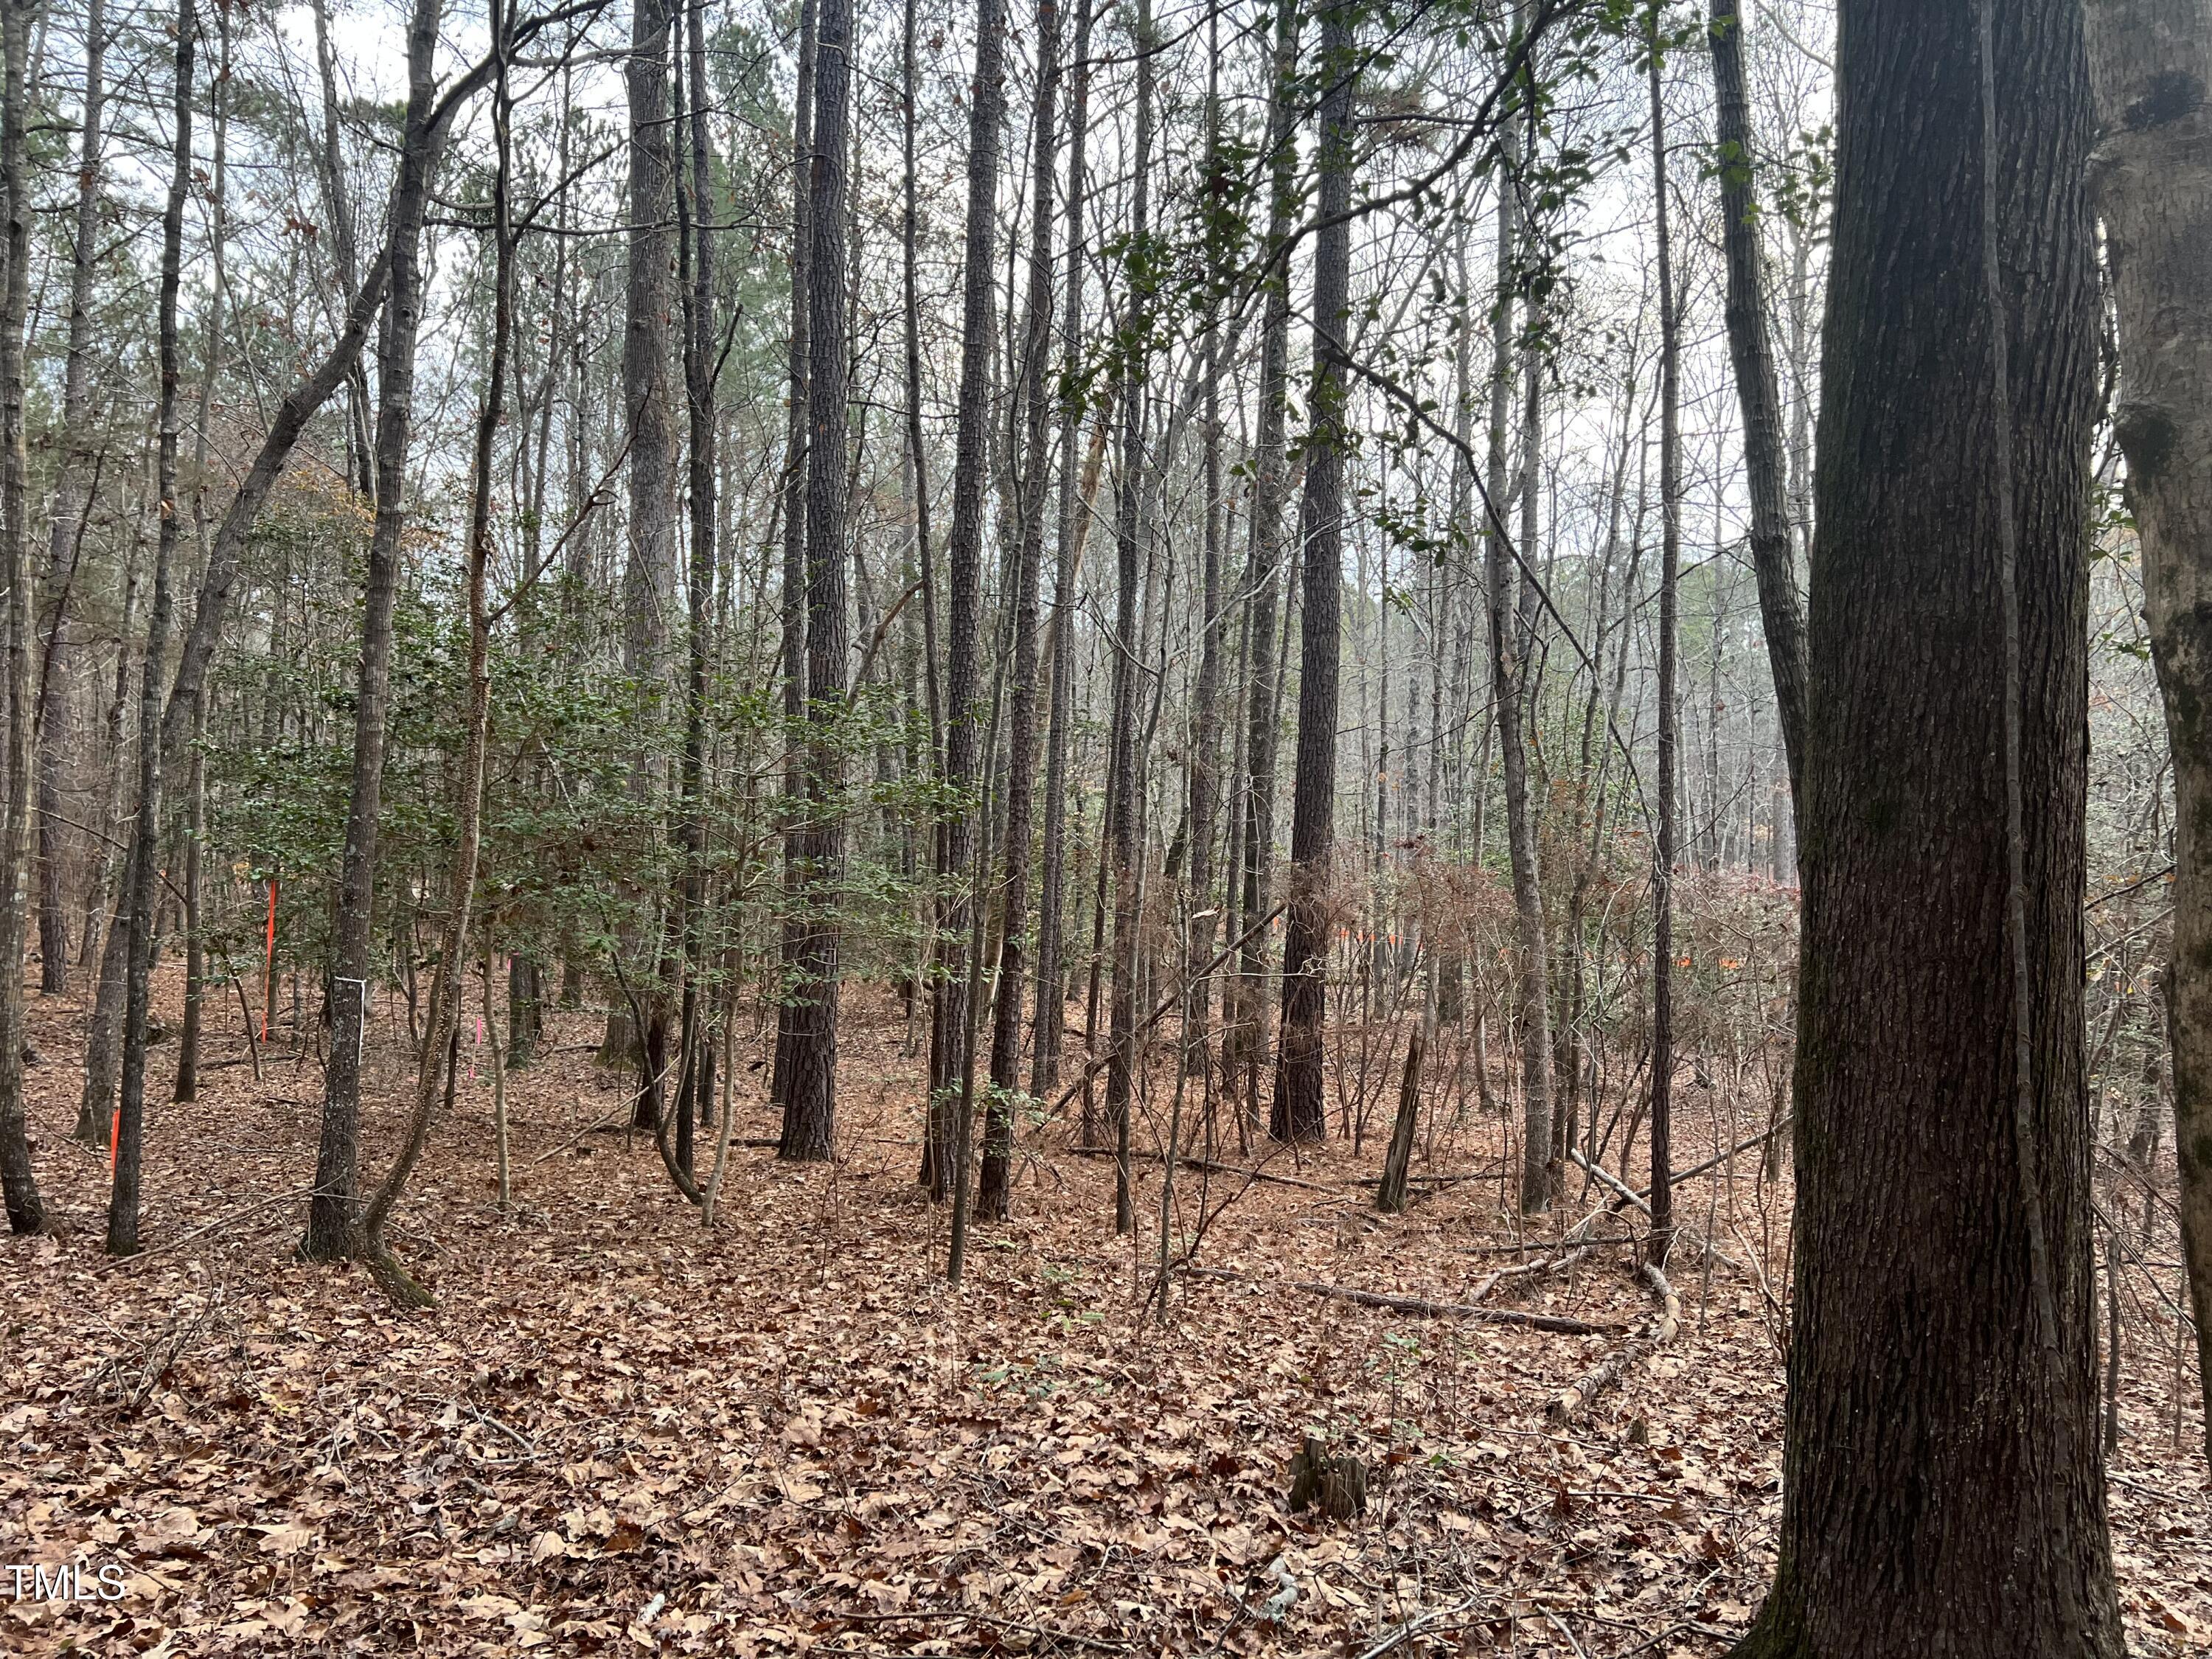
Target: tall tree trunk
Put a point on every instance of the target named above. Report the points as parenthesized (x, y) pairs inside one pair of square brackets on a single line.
[(25, 1212), (1664, 846), (993, 1195), (1205, 691), (333, 1233), (1510, 643), (2151, 61), (187, 1084), (140, 889), (1123, 845), (695, 216), (450, 977), (965, 717), (72, 500), (1936, 1219), (1299, 1114), (1764, 463), (809, 1020), (792, 652), (1246, 1040), (1051, 982), (649, 574)]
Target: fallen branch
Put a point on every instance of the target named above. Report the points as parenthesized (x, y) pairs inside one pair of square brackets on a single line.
[(1422, 1308), (1636, 1201), (121, 1262), (1208, 1165), (1576, 1398), (1413, 1626), (1528, 1270), (1719, 1158)]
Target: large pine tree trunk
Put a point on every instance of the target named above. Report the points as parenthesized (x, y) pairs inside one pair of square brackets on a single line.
[(1299, 1112), (2152, 63), (1943, 1481), (808, 1030)]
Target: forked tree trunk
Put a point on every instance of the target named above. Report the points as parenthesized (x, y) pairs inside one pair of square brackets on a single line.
[(2151, 61), (1954, 1504), (1299, 1113)]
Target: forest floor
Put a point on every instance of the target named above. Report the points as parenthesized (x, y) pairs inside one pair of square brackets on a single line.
[(619, 1433)]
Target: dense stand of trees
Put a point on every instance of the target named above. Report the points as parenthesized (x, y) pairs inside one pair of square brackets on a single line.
[(699, 510)]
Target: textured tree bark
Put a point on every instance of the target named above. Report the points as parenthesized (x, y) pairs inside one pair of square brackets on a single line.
[(72, 497), (1044, 1064), (809, 1025), (332, 1230), (137, 918), (1123, 847), (2151, 63), (1299, 1114), (696, 218), (25, 1212), (187, 1084), (994, 1195), (1205, 691), (648, 591), (450, 977), (1665, 843), (1244, 1042), (966, 718), (649, 575), (793, 606), (1752, 352), (1509, 594), (1943, 1485)]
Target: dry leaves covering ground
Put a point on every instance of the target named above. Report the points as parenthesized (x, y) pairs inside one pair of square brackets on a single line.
[(620, 1433)]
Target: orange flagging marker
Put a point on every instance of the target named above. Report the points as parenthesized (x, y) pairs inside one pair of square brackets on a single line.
[(269, 966)]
